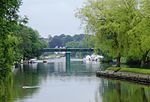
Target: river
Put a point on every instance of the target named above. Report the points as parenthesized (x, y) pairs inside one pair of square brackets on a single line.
[(53, 82)]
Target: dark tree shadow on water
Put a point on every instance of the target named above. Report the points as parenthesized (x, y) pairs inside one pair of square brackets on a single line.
[(6, 86), (119, 91)]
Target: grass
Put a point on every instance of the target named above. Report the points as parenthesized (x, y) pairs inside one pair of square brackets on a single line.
[(132, 70)]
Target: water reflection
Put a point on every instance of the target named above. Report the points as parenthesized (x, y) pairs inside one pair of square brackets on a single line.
[(60, 67), (55, 83), (118, 91), (26, 76), (55, 80), (6, 86)]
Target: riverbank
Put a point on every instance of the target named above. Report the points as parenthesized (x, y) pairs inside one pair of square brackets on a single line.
[(129, 74)]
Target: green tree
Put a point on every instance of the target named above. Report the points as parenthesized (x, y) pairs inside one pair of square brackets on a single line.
[(63, 40), (89, 41), (8, 18), (110, 21), (73, 44), (140, 35), (30, 42)]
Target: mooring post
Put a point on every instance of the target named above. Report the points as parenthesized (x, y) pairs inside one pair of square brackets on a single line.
[(68, 60)]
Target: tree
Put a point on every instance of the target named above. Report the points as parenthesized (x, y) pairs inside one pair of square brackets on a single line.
[(140, 34), (110, 21), (73, 44), (56, 41), (8, 18), (30, 42), (62, 40), (89, 41), (79, 37), (66, 39)]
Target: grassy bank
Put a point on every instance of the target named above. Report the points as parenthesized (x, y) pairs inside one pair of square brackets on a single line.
[(132, 70)]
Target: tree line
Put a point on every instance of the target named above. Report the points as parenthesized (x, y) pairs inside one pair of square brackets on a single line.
[(75, 41), (121, 28), (17, 41)]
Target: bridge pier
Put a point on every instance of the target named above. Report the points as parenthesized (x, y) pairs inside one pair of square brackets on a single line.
[(68, 60)]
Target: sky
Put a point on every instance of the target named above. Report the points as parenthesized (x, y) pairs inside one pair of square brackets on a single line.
[(53, 17)]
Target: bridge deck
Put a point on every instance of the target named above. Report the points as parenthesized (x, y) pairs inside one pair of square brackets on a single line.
[(68, 49)]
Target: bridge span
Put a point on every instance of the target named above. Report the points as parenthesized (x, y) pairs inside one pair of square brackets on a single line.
[(68, 50)]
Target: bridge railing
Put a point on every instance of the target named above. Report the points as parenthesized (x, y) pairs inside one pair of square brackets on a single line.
[(68, 49)]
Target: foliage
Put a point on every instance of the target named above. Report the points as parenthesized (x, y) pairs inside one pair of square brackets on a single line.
[(121, 27), (30, 42), (66, 41), (140, 36), (16, 40), (8, 18), (73, 44), (89, 41)]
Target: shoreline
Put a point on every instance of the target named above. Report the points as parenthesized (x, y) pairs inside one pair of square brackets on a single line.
[(127, 76)]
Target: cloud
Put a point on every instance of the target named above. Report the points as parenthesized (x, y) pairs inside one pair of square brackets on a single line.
[(52, 16)]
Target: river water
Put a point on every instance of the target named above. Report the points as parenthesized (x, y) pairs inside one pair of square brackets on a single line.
[(53, 82)]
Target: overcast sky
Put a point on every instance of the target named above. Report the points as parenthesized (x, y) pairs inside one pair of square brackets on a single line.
[(52, 17)]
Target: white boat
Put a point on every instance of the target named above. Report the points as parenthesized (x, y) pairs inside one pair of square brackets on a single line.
[(95, 58), (33, 61)]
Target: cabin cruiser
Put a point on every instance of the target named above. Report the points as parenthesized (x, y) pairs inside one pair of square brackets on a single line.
[(33, 61), (95, 58)]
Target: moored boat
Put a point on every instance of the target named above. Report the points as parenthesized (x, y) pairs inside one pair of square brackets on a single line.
[(33, 61), (95, 58)]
